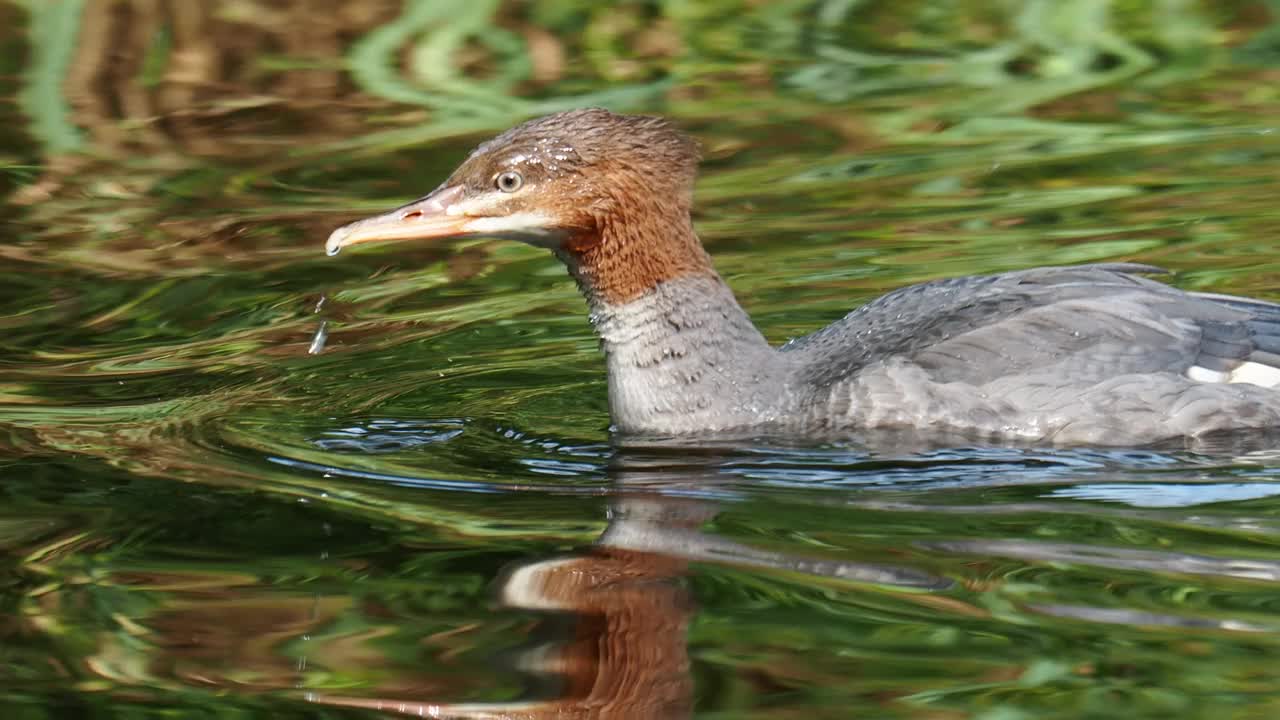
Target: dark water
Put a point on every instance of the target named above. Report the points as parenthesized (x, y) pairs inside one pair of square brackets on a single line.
[(206, 511)]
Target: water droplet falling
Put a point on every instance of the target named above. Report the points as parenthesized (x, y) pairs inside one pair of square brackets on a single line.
[(318, 340)]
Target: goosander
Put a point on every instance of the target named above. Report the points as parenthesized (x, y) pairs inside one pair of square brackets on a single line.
[(1090, 354)]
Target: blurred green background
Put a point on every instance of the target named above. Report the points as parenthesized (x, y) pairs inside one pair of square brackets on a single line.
[(205, 512)]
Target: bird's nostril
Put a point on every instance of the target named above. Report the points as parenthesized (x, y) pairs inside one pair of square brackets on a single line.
[(411, 215)]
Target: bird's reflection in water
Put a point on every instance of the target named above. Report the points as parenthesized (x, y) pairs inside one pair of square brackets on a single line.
[(624, 652)]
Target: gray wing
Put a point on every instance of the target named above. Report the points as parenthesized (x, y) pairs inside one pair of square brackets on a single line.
[(1083, 324)]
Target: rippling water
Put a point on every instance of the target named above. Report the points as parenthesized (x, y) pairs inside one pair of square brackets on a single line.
[(242, 479)]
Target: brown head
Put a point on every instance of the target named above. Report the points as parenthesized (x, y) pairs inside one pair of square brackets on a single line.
[(610, 193)]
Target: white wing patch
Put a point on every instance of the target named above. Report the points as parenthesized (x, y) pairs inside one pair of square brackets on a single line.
[(1250, 372), (1205, 375), (1256, 374)]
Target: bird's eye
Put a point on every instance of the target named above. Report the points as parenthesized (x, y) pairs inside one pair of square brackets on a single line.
[(508, 182)]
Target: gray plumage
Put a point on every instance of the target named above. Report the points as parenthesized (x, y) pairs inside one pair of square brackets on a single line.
[(1087, 354)]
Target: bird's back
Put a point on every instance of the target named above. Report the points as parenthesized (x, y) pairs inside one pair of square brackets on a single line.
[(1092, 353)]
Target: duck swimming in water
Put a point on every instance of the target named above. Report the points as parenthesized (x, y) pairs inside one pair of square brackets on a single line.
[(1092, 354)]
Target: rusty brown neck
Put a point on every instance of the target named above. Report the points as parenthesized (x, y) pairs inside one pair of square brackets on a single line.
[(633, 251)]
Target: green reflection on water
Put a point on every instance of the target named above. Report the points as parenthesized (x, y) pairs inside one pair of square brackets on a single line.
[(199, 516)]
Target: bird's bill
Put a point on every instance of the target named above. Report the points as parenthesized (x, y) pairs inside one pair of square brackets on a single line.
[(434, 216)]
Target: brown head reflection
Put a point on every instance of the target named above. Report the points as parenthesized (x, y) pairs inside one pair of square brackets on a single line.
[(625, 655)]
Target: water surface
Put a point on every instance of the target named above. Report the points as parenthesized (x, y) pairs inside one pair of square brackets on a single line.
[(206, 511)]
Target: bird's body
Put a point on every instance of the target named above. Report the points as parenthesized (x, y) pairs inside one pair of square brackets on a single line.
[(1090, 354)]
